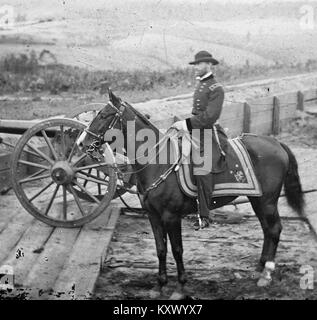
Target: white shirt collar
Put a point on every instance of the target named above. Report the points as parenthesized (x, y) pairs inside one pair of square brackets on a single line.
[(208, 74)]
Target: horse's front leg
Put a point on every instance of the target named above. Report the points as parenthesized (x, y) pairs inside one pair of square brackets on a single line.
[(161, 249), (173, 224)]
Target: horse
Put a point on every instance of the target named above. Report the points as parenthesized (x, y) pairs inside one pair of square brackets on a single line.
[(274, 163)]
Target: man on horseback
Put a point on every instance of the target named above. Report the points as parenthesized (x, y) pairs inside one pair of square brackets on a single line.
[(207, 106)]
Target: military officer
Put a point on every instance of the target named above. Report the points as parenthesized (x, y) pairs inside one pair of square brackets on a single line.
[(207, 106)]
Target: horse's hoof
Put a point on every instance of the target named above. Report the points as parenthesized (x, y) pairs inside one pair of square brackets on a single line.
[(177, 296), (264, 282)]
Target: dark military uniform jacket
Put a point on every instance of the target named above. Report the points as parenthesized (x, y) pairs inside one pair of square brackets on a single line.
[(207, 106)]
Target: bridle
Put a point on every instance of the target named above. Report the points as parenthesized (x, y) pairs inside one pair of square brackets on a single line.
[(96, 146)]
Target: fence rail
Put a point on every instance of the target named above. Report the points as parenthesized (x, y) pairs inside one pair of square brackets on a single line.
[(260, 116)]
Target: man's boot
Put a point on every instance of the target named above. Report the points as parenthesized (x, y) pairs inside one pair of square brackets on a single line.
[(204, 188)]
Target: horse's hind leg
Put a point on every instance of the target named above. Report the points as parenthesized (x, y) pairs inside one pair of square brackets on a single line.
[(161, 249), (174, 229), (267, 213)]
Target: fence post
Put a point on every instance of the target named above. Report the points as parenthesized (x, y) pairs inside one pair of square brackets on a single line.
[(276, 116), (246, 118), (300, 101)]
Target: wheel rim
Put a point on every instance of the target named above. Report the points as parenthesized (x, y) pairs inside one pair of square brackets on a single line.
[(57, 183)]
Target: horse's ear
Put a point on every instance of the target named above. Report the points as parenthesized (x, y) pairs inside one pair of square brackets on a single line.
[(113, 98)]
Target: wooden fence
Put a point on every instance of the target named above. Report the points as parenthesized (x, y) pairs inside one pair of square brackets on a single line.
[(260, 116)]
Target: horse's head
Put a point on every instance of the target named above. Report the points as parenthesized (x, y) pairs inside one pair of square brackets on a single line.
[(109, 117), (112, 118)]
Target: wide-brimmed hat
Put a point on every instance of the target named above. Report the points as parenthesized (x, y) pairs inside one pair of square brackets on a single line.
[(204, 56)]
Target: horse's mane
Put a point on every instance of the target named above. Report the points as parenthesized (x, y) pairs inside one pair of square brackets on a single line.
[(142, 117)]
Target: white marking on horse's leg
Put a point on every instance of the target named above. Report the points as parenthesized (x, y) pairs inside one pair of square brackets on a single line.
[(159, 292), (81, 138), (270, 265), (177, 296), (266, 278), (155, 293), (178, 293)]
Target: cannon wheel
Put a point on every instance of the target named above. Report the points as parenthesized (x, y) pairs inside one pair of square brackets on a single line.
[(51, 179)]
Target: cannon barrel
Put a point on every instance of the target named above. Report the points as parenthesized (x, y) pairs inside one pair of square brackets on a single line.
[(20, 126)]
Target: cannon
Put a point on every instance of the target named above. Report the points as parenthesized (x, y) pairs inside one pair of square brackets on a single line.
[(53, 180)]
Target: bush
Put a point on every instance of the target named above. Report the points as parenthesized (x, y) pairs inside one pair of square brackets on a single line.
[(21, 64), (25, 73)]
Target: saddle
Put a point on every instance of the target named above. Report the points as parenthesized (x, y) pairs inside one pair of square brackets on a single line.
[(232, 169)]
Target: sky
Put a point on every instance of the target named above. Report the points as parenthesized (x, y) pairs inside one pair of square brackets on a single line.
[(43, 8), (100, 2)]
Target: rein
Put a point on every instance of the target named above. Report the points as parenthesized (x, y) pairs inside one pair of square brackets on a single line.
[(96, 144), (99, 141)]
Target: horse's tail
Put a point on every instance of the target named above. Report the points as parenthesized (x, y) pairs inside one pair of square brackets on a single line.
[(292, 185)]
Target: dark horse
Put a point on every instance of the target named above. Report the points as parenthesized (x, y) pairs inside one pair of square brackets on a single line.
[(274, 163)]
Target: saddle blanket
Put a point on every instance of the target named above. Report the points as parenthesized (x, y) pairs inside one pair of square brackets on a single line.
[(238, 179)]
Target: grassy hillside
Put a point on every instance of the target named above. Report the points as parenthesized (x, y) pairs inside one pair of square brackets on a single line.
[(158, 35), (76, 45)]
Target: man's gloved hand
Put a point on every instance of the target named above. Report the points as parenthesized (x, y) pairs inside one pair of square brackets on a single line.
[(180, 125)]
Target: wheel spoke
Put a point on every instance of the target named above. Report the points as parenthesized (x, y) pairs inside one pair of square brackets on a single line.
[(74, 146), (34, 164), (8, 144), (12, 146), (86, 181), (37, 173), (82, 157), (73, 192), (88, 174), (44, 176), (94, 166), (33, 154), (87, 192), (82, 176), (43, 155), (63, 141), (41, 191), (51, 201), (99, 186), (64, 203), (48, 141)]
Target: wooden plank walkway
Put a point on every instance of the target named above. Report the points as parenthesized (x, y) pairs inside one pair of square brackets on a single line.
[(52, 263)]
